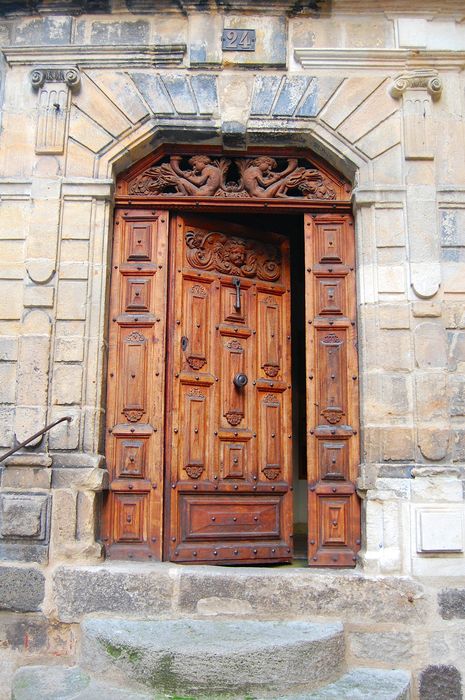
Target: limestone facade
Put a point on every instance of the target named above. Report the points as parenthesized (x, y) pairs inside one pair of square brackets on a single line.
[(380, 95)]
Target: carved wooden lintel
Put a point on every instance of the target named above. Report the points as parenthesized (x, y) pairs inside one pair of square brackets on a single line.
[(261, 177)]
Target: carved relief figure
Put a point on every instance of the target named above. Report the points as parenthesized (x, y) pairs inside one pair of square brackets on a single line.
[(258, 178), (233, 256)]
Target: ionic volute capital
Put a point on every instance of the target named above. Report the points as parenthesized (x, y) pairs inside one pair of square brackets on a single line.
[(428, 80), (70, 76)]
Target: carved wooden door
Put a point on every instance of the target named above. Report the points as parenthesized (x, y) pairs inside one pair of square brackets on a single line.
[(135, 401), (229, 412), (332, 390)]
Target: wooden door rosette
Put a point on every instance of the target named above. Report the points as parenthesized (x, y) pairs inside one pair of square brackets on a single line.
[(220, 452)]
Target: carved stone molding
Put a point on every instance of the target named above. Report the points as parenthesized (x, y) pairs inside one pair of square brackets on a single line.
[(70, 76), (54, 86), (428, 80), (144, 56)]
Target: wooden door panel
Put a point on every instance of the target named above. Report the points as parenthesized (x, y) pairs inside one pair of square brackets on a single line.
[(229, 445), (332, 391), (132, 525)]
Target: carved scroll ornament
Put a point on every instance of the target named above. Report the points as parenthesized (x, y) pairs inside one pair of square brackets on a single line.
[(251, 177), (233, 256)]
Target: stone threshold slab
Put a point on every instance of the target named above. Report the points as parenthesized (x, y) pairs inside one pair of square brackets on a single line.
[(165, 589)]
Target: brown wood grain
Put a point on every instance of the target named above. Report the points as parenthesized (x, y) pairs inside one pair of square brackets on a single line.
[(230, 466), (133, 512), (332, 390)]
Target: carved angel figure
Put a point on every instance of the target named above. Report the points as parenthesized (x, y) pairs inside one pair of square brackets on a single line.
[(204, 179), (259, 180)]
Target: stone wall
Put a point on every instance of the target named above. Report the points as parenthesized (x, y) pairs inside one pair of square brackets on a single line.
[(378, 94)]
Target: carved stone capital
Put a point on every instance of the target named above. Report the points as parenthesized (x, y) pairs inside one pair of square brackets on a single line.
[(70, 76), (428, 80), (53, 85)]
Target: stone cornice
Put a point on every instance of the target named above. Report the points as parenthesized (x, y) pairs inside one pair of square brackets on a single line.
[(124, 56), (379, 59)]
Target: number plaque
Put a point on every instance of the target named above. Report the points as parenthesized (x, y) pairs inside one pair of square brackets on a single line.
[(238, 40)]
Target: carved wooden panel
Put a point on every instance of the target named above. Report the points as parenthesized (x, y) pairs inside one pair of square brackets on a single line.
[(130, 518), (269, 313), (271, 436), (260, 177), (135, 401), (131, 457), (230, 496), (332, 390), (194, 424), (229, 518), (197, 329), (233, 460), (233, 399)]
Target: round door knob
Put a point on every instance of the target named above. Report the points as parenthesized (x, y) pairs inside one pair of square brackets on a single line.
[(240, 380)]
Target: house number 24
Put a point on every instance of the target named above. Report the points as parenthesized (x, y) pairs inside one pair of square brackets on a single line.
[(238, 40)]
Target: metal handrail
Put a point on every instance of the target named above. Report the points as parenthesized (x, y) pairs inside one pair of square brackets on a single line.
[(33, 437)]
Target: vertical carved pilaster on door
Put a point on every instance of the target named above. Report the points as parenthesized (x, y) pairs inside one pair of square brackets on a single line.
[(54, 86), (418, 89)]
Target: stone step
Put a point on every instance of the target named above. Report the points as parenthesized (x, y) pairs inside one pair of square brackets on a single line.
[(66, 683), (71, 683), (362, 684), (214, 658)]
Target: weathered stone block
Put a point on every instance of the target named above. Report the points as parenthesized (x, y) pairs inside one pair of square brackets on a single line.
[(23, 515), (69, 349), (451, 602), (47, 30), (39, 296), (452, 227), (394, 316), (456, 395), (347, 597), (394, 350), (440, 682), (11, 299), (151, 89), (21, 589), (71, 300), (67, 384), (459, 446), (391, 279), (120, 32), (431, 396), (397, 444), (25, 633), (439, 530), (271, 40), (8, 381), (121, 91), (8, 349), (456, 343), (86, 132), (426, 309), (430, 345), (26, 477), (76, 221), (99, 108), (78, 591), (389, 647)]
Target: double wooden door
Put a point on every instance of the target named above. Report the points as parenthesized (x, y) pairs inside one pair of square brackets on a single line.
[(199, 441)]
